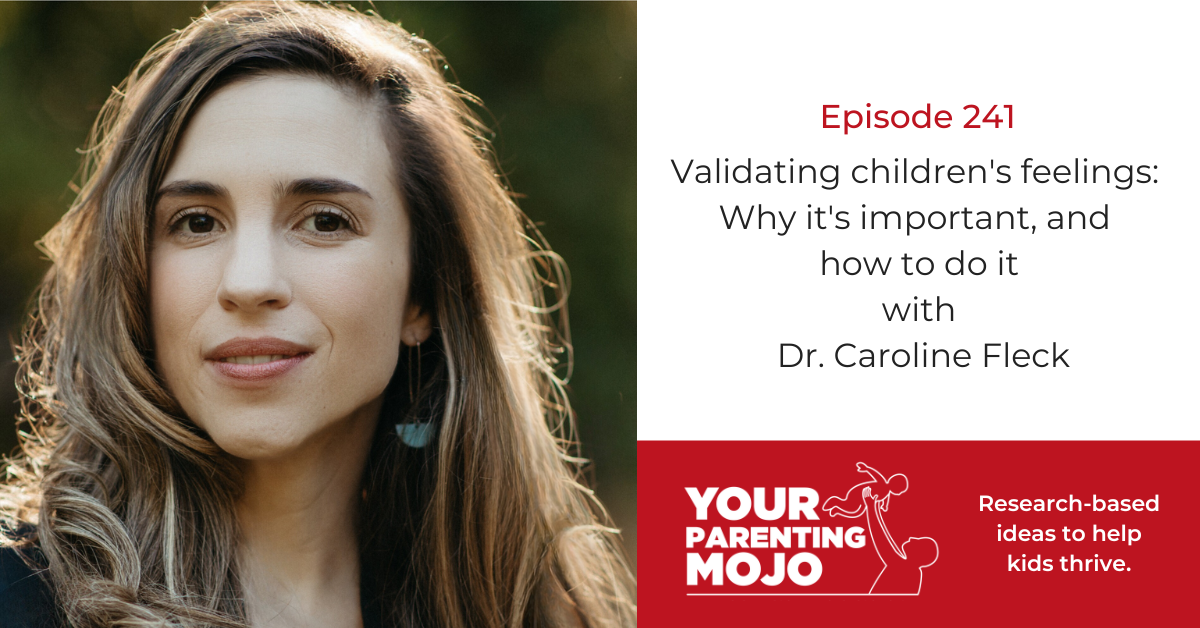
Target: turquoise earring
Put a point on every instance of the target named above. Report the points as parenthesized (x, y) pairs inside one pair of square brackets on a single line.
[(415, 435)]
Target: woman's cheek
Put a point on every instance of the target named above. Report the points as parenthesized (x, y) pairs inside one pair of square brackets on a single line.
[(360, 300), (178, 293), (183, 285)]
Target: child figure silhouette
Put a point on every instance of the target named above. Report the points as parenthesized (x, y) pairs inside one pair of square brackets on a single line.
[(882, 489)]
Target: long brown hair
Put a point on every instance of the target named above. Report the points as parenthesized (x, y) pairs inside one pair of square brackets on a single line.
[(489, 525)]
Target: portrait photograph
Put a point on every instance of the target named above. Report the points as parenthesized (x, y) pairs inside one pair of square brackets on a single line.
[(318, 314)]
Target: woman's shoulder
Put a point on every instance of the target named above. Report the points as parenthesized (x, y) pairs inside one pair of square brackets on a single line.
[(25, 597)]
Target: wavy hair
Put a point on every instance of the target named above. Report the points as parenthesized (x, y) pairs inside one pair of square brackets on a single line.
[(133, 505)]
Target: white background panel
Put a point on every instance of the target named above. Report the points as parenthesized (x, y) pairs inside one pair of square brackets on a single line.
[(1113, 84)]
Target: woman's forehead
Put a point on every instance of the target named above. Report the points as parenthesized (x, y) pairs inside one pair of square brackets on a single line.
[(283, 127)]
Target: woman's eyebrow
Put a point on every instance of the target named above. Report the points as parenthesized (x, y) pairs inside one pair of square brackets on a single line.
[(317, 187), (191, 188)]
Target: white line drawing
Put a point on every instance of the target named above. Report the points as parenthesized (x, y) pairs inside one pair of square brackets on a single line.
[(903, 567), (801, 594), (894, 485)]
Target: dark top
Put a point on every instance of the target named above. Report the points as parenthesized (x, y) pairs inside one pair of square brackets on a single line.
[(25, 598)]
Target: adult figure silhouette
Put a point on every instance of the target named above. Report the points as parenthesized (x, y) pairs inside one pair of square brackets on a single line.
[(903, 565)]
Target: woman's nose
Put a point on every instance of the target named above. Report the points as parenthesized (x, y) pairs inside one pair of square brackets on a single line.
[(253, 276)]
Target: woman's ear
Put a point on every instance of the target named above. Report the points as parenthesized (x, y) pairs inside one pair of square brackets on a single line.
[(418, 324)]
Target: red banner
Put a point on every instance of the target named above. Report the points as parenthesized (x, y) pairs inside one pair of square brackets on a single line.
[(917, 533)]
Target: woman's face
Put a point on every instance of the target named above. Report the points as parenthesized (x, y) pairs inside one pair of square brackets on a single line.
[(279, 270)]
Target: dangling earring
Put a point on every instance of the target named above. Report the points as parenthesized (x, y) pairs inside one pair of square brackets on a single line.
[(412, 349), (418, 434)]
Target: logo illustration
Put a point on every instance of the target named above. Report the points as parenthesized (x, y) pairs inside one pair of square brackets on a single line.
[(902, 565)]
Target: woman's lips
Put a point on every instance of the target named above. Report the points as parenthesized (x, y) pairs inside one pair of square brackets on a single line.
[(258, 372), (256, 360)]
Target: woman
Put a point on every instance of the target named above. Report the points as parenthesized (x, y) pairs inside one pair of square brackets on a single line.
[(294, 363)]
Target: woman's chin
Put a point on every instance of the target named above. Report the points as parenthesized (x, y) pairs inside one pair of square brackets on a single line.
[(259, 440), (280, 433), (258, 449)]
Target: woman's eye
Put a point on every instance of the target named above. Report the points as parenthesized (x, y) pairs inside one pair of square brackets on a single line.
[(195, 224), (324, 223), (200, 223)]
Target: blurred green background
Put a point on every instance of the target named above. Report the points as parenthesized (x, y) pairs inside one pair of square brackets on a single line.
[(558, 81)]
